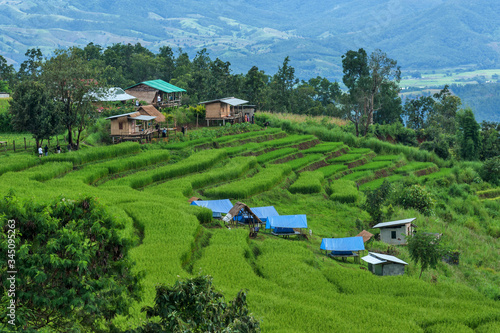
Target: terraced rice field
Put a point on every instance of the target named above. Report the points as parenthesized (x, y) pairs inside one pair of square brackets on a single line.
[(292, 286)]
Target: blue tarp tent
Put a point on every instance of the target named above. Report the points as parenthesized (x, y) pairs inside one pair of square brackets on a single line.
[(286, 223), (340, 246), (261, 212), (218, 207)]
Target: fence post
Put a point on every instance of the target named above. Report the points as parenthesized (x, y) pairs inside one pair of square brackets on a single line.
[(14, 145), (25, 143)]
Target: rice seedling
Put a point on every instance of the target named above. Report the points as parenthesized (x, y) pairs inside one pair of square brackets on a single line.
[(251, 146), (272, 155), (344, 191), (308, 182), (287, 141), (358, 175), (325, 148), (17, 162), (362, 151), (86, 155), (372, 166), (47, 171), (330, 170), (374, 184), (387, 158), (415, 166), (197, 162), (299, 163), (345, 158), (262, 181)]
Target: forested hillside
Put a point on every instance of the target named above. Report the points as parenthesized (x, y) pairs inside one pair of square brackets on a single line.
[(314, 34)]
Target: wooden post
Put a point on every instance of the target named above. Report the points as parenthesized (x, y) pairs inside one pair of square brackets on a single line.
[(25, 143), (14, 145)]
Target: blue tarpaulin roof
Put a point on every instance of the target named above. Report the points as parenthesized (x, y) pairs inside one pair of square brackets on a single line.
[(265, 212), (286, 221), (217, 206), (343, 244)]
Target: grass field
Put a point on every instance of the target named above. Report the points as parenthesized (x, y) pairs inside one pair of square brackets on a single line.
[(291, 285), (441, 78)]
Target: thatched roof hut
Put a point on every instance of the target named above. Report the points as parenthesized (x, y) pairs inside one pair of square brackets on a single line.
[(149, 110), (239, 208), (366, 235)]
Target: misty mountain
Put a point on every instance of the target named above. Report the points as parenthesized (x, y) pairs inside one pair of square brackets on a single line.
[(428, 34)]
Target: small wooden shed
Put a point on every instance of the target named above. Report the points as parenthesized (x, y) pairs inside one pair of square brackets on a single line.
[(131, 126), (225, 109), (395, 232), (384, 264)]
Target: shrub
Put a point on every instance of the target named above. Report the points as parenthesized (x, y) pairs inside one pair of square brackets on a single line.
[(490, 171), (416, 197), (344, 191)]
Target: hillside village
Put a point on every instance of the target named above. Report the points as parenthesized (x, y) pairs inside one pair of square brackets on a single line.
[(312, 223)]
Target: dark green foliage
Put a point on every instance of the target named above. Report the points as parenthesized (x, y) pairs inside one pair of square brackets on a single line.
[(491, 170), (34, 110), (425, 249), (194, 305), (70, 262), (375, 200), (468, 136), (416, 197)]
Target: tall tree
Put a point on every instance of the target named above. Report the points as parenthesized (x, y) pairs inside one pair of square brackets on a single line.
[(490, 134), (281, 87), (31, 68), (166, 63), (72, 82), (34, 110), (468, 135), (255, 85), (7, 74), (446, 108), (356, 78), (417, 111)]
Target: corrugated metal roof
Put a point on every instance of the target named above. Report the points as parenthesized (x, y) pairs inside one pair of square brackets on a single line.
[(110, 95), (343, 244), (160, 85), (121, 115), (387, 257), (228, 100), (142, 117), (372, 260), (393, 223)]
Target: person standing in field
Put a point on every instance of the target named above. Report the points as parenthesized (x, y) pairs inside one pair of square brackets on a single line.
[(58, 148), (46, 150), (40, 152)]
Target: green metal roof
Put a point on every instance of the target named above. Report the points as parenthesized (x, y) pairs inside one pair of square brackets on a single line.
[(160, 85)]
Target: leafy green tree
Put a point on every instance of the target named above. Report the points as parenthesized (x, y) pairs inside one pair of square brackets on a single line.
[(7, 74), (326, 92), (425, 249), (417, 111), (254, 86), (390, 110), (34, 110), (468, 135), (193, 305), (490, 145), (166, 63), (73, 275), (281, 88), (31, 68), (446, 108), (71, 81)]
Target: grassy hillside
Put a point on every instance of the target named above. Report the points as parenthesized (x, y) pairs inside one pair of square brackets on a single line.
[(292, 286)]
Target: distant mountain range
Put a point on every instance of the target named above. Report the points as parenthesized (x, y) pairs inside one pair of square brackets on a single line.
[(424, 34)]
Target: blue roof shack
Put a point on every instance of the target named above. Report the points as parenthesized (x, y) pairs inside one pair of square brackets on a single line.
[(343, 247), (264, 212), (218, 207), (284, 225)]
